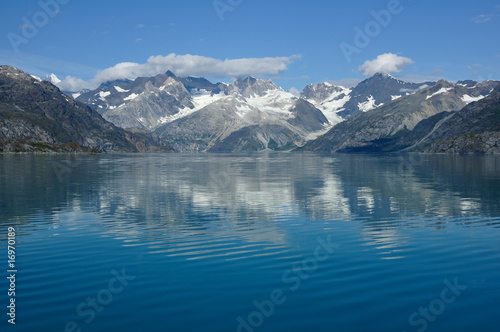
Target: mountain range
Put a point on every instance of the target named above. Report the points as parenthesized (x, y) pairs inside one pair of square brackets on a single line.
[(249, 114), (380, 114), (407, 123), (153, 101)]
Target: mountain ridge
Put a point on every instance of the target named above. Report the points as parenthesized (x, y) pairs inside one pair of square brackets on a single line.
[(402, 123)]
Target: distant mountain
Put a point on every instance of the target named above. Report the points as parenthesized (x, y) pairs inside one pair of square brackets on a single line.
[(268, 132), (231, 124), (36, 116), (151, 102), (195, 84), (402, 123), (197, 115), (467, 83), (321, 92), (379, 114), (152, 105), (306, 117), (251, 87), (52, 78), (339, 103), (474, 129), (328, 98), (376, 91)]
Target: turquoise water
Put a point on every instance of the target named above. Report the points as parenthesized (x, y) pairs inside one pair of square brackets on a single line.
[(263, 242)]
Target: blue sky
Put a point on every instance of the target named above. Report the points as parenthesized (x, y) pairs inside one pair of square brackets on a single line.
[(292, 42)]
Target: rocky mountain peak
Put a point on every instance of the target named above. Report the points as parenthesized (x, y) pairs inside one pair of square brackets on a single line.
[(319, 92), (251, 86), (444, 83), (467, 83), (440, 86), (5, 69), (379, 77), (170, 74), (15, 74)]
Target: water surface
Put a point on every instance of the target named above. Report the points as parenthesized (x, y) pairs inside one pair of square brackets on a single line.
[(261, 242)]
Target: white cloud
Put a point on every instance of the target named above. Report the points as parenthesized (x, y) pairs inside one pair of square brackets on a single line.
[(73, 84), (482, 18), (387, 63), (188, 65)]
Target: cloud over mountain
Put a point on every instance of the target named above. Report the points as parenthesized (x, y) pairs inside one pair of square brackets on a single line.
[(185, 65), (387, 63)]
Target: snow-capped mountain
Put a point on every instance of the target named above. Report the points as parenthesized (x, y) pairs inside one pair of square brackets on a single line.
[(328, 98), (195, 114), (405, 122), (378, 90), (231, 124), (341, 103), (262, 94), (52, 78), (153, 106), (251, 87), (150, 102), (155, 101)]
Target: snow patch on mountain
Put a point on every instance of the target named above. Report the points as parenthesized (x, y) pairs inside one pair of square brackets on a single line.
[(274, 101), (117, 88), (204, 98), (469, 99), (131, 97), (242, 107), (103, 95), (440, 91), (181, 114), (333, 103), (368, 105)]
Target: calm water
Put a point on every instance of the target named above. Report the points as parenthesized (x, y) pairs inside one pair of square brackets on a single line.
[(264, 242)]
